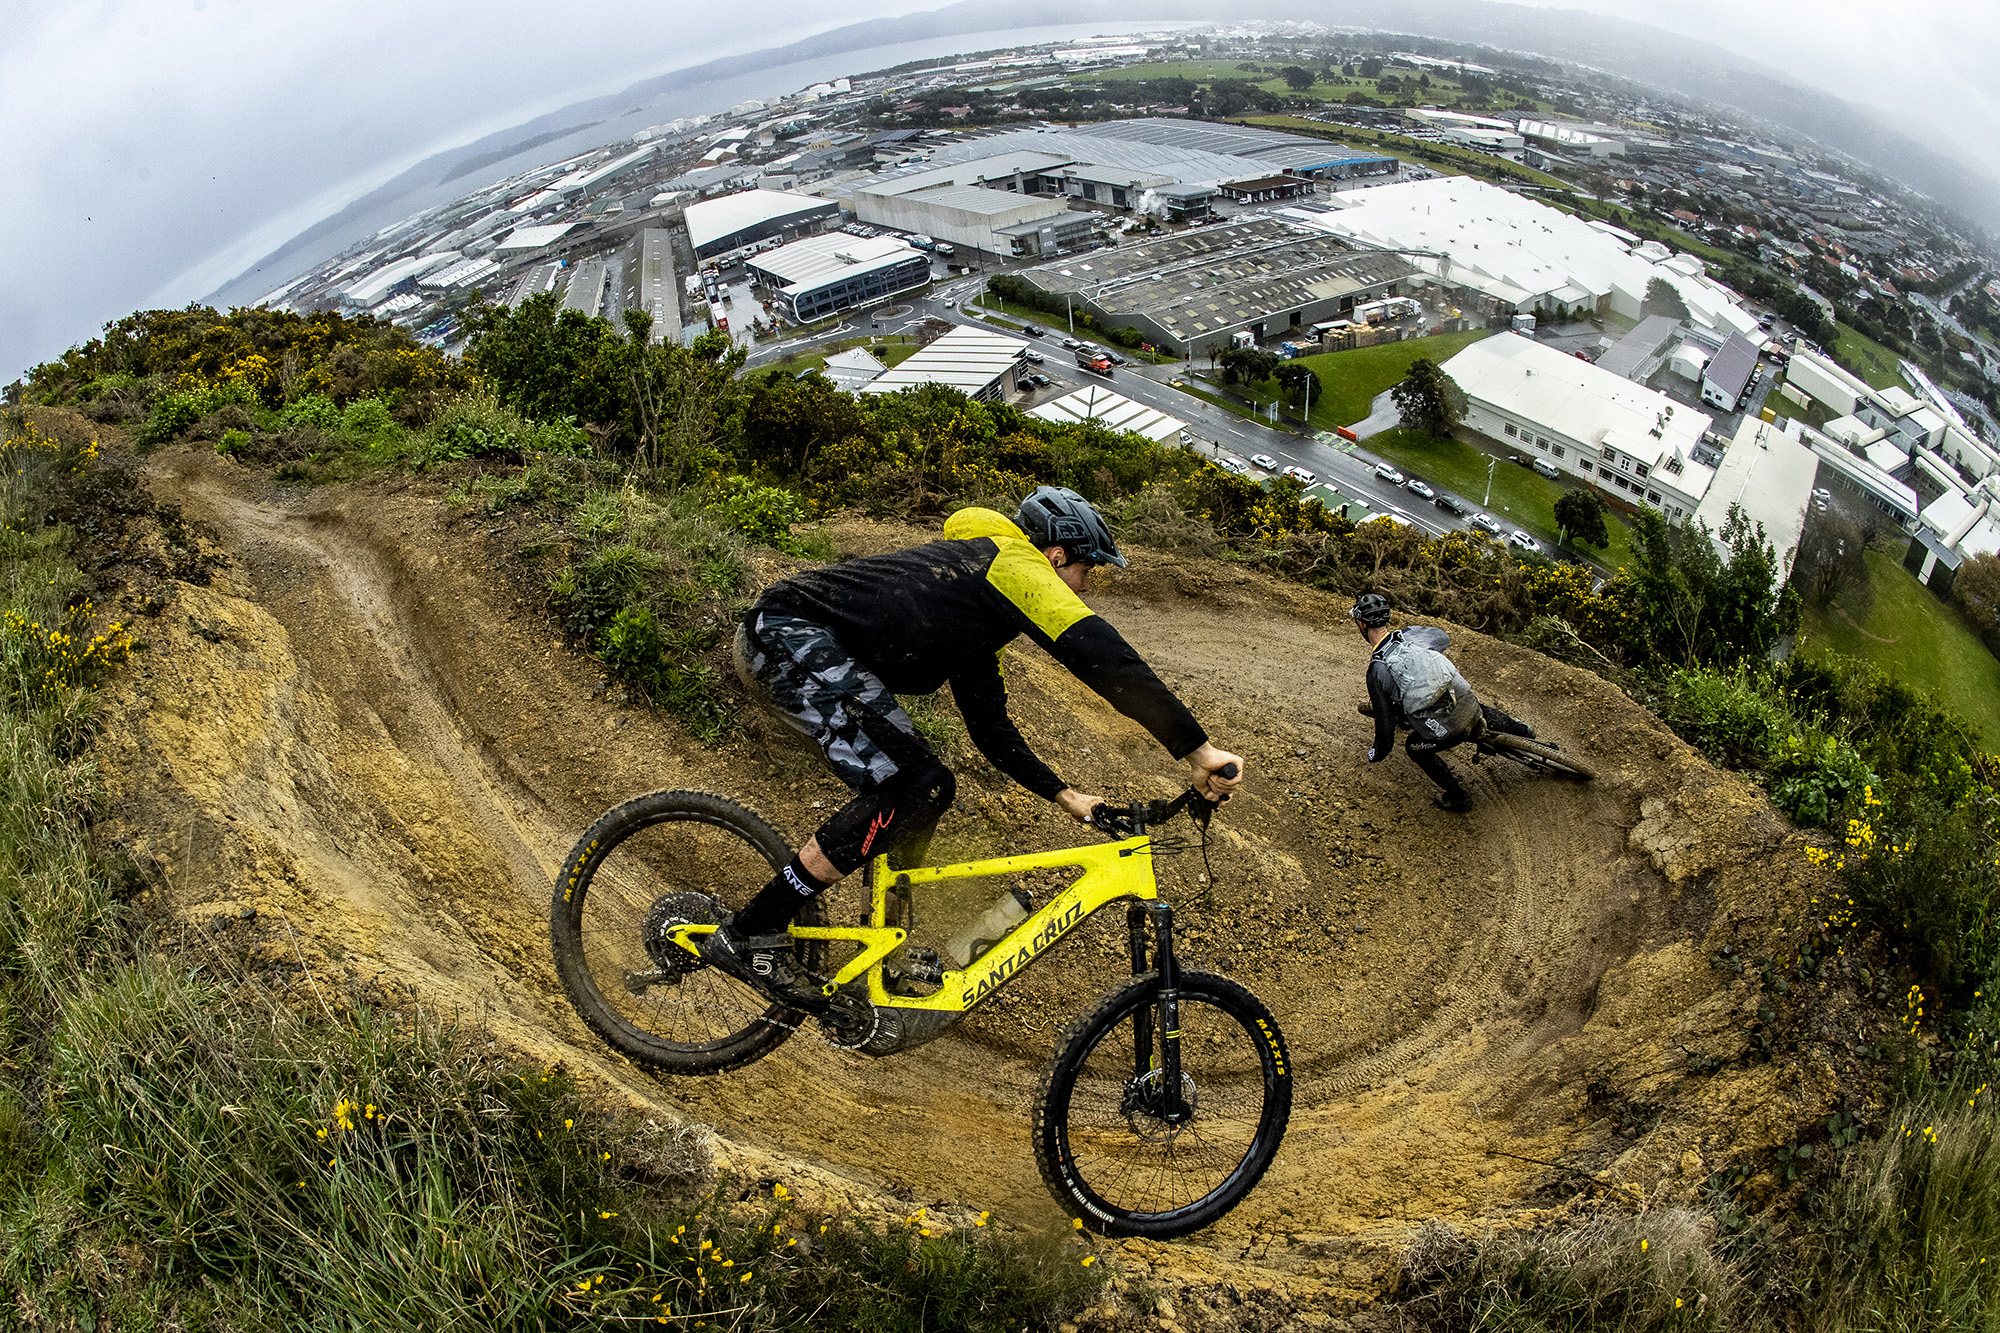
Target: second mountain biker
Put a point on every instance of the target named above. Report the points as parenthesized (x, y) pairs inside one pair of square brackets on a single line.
[(830, 649)]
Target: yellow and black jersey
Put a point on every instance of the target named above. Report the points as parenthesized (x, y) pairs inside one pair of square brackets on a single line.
[(940, 614)]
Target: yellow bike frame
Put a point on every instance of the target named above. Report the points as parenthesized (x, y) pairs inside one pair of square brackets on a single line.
[(1109, 871)]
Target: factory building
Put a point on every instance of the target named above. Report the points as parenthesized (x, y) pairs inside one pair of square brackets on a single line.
[(1569, 139), (1591, 425), (1727, 377), (736, 220), (824, 275), (978, 218), (1193, 292), (978, 362), (659, 285), (1767, 474)]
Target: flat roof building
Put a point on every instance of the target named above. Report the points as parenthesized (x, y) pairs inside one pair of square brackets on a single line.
[(1191, 292), (851, 369), (1623, 438), (659, 286), (997, 221), (1767, 473), (824, 275), (734, 220), (977, 362), (535, 238)]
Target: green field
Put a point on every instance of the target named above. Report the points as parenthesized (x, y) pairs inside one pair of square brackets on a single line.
[(1868, 359), (1895, 622), (1443, 91), (1520, 498), (1349, 381), (1439, 156), (889, 350)]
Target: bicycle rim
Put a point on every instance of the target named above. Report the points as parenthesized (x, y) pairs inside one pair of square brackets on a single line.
[(1123, 1169), (655, 861)]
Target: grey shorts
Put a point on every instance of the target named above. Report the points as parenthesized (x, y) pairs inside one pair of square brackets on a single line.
[(802, 672)]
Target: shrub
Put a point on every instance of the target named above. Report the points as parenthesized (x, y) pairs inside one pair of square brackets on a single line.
[(764, 514), (232, 443)]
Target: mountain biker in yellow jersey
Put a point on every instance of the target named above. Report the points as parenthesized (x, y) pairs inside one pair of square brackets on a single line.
[(1412, 683), (830, 649)]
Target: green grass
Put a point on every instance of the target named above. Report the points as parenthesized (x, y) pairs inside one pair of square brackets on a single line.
[(1449, 158), (1351, 380), (891, 350), (1895, 622), (1520, 497), (1443, 90), (1869, 359)]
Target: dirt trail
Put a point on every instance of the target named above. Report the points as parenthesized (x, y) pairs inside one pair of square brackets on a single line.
[(359, 729)]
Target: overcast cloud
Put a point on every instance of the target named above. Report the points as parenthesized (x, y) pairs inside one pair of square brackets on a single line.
[(151, 145)]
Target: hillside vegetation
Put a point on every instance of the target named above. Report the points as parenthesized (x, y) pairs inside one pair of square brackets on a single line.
[(216, 1119)]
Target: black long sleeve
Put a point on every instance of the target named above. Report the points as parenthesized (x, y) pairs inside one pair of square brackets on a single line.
[(981, 697), (1383, 701), (1098, 656)]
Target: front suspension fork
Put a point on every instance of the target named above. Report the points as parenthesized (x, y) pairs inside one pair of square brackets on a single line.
[(1156, 1028)]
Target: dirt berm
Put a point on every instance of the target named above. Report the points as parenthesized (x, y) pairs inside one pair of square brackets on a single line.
[(364, 731)]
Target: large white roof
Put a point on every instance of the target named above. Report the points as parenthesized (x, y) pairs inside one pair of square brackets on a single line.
[(1575, 399), (806, 264), (1517, 249), (1768, 473), (712, 220), (534, 238), (1113, 411), (967, 358)]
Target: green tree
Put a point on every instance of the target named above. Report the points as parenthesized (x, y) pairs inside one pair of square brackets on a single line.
[(1371, 67), (1298, 79), (1297, 382), (1580, 519), (1978, 590), (1248, 365), (1702, 598), (1429, 399), (546, 362), (1829, 558), (1662, 299)]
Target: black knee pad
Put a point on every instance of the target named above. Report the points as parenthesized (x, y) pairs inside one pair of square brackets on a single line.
[(875, 822)]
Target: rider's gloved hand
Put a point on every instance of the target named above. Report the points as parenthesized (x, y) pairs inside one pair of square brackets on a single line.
[(1077, 805), (1208, 762)]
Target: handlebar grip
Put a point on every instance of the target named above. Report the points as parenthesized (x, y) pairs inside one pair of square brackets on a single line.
[(1227, 771)]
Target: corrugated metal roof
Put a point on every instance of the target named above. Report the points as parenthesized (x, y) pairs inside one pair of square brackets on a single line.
[(815, 259), (967, 358), (1113, 411), (713, 220)]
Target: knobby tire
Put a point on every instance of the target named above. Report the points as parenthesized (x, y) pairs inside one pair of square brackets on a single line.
[(1541, 757), (643, 851), (1100, 1166)]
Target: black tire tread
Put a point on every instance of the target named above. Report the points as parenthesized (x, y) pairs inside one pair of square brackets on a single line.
[(613, 827), (1228, 995), (1560, 762)]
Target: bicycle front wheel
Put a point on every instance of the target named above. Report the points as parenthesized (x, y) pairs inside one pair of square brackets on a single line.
[(1104, 1148), (665, 859)]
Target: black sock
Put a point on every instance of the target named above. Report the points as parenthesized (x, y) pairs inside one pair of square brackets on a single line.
[(772, 910)]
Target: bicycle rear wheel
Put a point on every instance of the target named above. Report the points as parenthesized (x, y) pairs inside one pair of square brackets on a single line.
[(1126, 1171), (1540, 756), (668, 858)]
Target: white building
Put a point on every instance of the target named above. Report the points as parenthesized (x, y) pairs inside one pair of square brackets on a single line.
[(824, 275), (1957, 526), (976, 217), (733, 220), (977, 362), (1590, 424), (1523, 255), (852, 369), (1112, 411), (1570, 139), (1767, 472), (523, 239)]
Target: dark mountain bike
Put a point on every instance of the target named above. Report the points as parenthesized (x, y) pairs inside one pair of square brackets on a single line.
[(1537, 756)]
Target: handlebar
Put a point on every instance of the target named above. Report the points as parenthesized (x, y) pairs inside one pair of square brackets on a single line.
[(1124, 821)]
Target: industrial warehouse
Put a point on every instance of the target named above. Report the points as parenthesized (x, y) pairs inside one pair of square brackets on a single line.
[(824, 275), (1195, 292)]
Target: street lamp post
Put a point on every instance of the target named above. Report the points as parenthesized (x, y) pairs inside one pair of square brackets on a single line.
[(1069, 306), (1491, 463)]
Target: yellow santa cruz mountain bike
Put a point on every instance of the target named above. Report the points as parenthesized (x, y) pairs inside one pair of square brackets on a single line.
[(1164, 1103)]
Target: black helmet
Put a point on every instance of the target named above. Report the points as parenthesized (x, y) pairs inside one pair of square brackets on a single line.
[(1058, 516), (1371, 609)]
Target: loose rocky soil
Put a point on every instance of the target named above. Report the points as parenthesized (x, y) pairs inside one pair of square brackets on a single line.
[(363, 731)]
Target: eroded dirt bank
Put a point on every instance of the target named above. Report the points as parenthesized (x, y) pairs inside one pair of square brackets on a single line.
[(360, 732)]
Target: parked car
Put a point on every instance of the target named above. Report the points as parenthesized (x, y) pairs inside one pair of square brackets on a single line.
[(1546, 468), (1230, 463), (1037, 381), (1265, 461), (1304, 476), (1487, 524), (1421, 489), (1032, 331), (1033, 358), (1388, 474), (1451, 504), (1522, 540)]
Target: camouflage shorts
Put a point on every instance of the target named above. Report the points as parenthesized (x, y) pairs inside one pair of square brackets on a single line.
[(801, 670)]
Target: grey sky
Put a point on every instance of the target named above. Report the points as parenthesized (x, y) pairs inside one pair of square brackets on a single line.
[(152, 146)]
